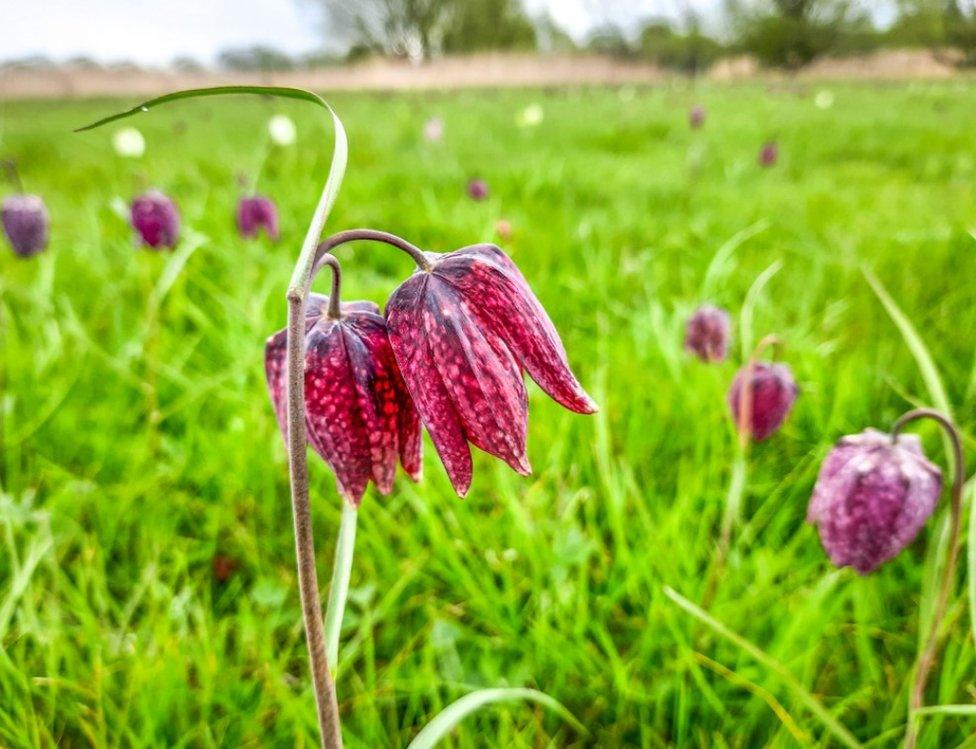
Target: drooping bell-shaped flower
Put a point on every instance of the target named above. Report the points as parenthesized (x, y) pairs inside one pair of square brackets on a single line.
[(696, 117), (359, 417), (26, 223), (707, 333), (156, 220), (478, 189), (463, 328), (872, 497), (769, 391), (256, 213), (769, 153)]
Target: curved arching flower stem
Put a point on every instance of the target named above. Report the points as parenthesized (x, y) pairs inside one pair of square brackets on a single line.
[(372, 235), (737, 483), (927, 659), (334, 312)]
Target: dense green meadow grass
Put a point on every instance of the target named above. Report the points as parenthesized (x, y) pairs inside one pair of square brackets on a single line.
[(138, 443)]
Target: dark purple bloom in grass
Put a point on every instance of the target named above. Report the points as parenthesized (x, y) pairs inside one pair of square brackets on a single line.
[(478, 189), (766, 401), (26, 223), (707, 333), (769, 153), (463, 329), (696, 117), (254, 213), (359, 416), (156, 219), (872, 497)]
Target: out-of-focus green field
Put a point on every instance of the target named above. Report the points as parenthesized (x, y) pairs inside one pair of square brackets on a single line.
[(138, 443)]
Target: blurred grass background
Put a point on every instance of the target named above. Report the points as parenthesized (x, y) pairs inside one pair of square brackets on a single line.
[(138, 444)]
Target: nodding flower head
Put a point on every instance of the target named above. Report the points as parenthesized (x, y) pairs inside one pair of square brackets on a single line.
[(769, 153), (463, 328), (254, 213), (26, 223), (478, 189), (872, 497), (707, 333), (358, 415), (156, 219), (761, 397), (696, 117)]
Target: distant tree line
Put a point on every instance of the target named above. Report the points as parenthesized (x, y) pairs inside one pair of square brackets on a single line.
[(779, 33)]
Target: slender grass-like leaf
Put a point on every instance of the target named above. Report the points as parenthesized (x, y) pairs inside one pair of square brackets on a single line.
[(749, 304), (339, 589), (947, 710), (778, 669), (718, 267), (445, 721)]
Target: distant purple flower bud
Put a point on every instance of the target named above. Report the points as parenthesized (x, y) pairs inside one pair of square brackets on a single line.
[(696, 117), (872, 497), (477, 189), (772, 390), (769, 153), (25, 222), (254, 213), (707, 333), (155, 218)]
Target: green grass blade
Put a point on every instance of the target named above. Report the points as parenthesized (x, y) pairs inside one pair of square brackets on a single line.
[(450, 716), (718, 268), (339, 589), (749, 304), (777, 668), (926, 365), (947, 710)]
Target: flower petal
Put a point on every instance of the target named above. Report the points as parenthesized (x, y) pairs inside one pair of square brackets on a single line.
[(499, 295), (434, 404), (336, 428), (487, 389), (276, 374)]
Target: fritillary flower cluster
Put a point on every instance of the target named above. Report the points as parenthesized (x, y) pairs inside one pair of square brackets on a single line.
[(448, 354), (762, 393)]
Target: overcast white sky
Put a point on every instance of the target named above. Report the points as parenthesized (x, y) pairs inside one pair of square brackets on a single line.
[(153, 32)]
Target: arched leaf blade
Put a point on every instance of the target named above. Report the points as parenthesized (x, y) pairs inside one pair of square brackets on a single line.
[(446, 720)]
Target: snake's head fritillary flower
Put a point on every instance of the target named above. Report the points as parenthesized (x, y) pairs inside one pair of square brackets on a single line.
[(129, 142), (769, 153), (434, 130), (463, 329), (696, 117), (156, 220), (281, 129), (872, 497), (26, 223), (358, 415), (769, 390), (707, 333), (256, 213), (478, 189)]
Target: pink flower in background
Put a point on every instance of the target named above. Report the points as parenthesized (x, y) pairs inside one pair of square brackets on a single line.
[(707, 333), (503, 228), (769, 154), (478, 189), (359, 416), (156, 220), (696, 117), (771, 393), (872, 497), (462, 330), (26, 223), (256, 213)]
